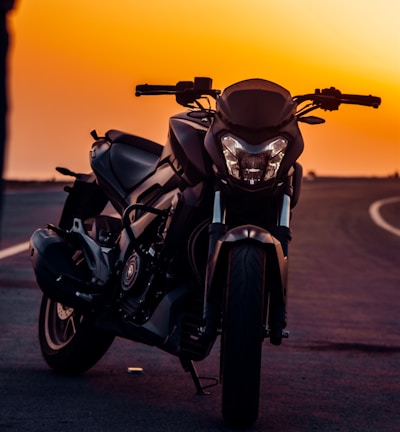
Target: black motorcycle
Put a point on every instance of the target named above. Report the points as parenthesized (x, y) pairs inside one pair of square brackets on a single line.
[(175, 245)]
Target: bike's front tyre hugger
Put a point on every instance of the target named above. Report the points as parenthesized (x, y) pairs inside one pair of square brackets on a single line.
[(69, 341), (242, 335)]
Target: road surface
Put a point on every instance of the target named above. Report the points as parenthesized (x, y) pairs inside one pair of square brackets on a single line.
[(338, 371)]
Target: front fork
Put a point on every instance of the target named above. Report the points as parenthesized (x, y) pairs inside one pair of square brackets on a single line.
[(276, 242), (218, 228), (284, 215), (282, 229)]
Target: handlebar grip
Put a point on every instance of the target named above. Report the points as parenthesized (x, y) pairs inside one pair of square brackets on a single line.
[(150, 89), (331, 98), (371, 101)]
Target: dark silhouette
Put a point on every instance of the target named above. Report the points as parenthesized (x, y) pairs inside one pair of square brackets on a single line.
[(5, 7)]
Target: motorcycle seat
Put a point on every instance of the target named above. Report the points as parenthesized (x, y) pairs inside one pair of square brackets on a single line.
[(134, 141)]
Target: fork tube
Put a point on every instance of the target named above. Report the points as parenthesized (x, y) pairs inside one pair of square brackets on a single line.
[(216, 230), (217, 227), (219, 209), (284, 216), (282, 231)]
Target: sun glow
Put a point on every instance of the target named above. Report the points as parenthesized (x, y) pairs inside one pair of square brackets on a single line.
[(74, 65)]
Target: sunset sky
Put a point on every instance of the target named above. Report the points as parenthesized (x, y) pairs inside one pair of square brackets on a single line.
[(74, 65)]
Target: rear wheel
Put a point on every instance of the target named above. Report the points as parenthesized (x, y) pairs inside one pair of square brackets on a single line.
[(69, 341), (242, 335)]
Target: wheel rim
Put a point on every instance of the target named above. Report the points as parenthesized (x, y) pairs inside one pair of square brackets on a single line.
[(61, 324)]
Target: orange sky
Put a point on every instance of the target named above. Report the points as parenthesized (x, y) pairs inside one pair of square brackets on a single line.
[(74, 65)]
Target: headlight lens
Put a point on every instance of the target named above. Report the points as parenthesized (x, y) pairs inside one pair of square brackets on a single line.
[(253, 163)]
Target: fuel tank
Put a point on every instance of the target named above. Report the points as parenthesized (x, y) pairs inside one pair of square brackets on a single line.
[(121, 161)]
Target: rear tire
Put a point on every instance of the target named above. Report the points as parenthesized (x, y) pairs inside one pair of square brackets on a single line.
[(69, 341), (242, 335)]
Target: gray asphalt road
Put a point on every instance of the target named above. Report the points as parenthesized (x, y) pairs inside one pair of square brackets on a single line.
[(339, 370)]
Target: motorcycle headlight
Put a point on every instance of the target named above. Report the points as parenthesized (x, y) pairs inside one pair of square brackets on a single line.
[(253, 163)]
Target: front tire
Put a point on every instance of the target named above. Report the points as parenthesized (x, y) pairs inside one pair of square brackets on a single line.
[(242, 335), (69, 341)]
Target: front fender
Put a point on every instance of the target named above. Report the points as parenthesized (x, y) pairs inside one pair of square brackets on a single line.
[(218, 258)]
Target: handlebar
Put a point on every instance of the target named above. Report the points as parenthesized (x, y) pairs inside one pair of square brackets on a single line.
[(330, 99), (186, 92)]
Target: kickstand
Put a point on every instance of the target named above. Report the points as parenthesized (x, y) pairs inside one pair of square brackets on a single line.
[(188, 366)]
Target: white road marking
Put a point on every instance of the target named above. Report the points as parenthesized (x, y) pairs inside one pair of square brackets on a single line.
[(14, 250), (378, 219)]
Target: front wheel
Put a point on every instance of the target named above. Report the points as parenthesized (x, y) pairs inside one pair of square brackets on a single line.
[(242, 335), (69, 341)]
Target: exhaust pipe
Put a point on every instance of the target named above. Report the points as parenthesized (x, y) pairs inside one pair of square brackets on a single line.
[(56, 273)]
